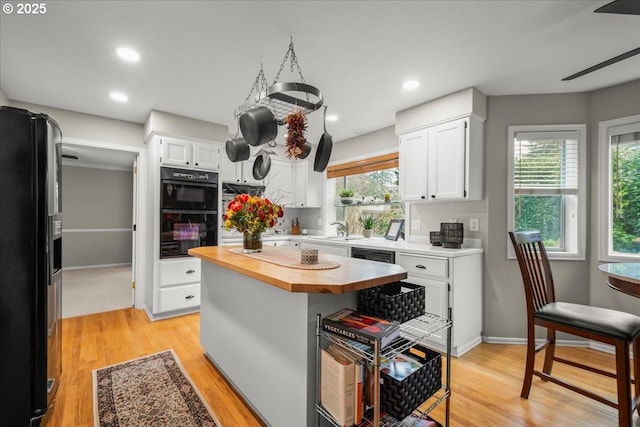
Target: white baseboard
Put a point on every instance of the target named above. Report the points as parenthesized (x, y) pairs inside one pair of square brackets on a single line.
[(595, 345), (82, 267)]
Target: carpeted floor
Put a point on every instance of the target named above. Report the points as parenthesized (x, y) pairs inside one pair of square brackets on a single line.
[(95, 290), (150, 391)]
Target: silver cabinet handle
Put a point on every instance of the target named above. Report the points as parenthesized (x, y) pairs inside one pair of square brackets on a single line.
[(190, 271), (420, 266), (189, 297)]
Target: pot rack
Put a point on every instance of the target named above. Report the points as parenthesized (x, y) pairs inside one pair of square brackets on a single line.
[(282, 98)]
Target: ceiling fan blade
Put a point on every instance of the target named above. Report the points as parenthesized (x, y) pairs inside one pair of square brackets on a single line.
[(603, 64), (625, 7)]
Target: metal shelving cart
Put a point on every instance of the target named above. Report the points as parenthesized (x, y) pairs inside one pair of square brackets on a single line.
[(412, 332)]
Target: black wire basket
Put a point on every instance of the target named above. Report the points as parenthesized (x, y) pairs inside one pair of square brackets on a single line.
[(451, 234)]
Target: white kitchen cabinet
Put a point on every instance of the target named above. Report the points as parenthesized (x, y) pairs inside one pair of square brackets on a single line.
[(279, 182), (413, 166), (327, 248), (238, 172), (191, 154), (307, 192), (178, 287), (442, 162), (450, 283), (292, 184), (277, 243)]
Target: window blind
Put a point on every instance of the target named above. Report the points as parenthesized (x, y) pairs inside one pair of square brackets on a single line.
[(386, 161), (545, 163)]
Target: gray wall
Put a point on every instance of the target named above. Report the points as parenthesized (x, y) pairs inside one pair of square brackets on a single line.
[(504, 309), (98, 199)]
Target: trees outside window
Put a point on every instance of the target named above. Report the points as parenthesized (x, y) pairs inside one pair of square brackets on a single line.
[(546, 186), (620, 189)]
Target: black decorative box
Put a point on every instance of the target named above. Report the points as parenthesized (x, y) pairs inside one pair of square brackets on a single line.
[(400, 301), (400, 398)]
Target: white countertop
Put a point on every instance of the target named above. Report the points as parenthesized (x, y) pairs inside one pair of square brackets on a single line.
[(373, 243)]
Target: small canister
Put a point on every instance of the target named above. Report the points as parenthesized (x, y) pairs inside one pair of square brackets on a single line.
[(308, 256)]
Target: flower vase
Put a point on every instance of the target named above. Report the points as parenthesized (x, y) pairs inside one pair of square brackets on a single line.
[(251, 242), (367, 232)]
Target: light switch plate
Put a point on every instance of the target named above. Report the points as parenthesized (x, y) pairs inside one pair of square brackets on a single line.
[(473, 224), (415, 224)]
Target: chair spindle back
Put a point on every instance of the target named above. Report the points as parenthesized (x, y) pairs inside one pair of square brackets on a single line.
[(535, 269)]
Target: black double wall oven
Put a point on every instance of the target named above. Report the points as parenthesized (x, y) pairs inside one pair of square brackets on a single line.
[(188, 211)]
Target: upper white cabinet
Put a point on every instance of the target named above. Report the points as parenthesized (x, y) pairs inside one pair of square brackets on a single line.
[(238, 172), (279, 182), (292, 184), (179, 152), (443, 162), (308, 186), (413, 166)]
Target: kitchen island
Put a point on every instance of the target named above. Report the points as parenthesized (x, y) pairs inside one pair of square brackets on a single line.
[(258, 319)]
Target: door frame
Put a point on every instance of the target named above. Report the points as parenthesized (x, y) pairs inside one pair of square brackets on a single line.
[(138, 260)]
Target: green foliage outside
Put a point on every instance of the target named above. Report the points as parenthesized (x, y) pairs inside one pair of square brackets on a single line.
[(626, 197), (541, 213), (371, 186)]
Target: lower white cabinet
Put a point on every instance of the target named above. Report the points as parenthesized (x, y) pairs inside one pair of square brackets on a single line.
[(176, 287), (284, 243), (179, 297), (179, 272), (326, 249), (450, 282)]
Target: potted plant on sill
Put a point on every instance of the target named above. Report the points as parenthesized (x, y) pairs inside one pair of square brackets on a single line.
[(368, 221), (346, 196)]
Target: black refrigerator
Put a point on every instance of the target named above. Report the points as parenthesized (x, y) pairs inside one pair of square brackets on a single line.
[(30, 265)]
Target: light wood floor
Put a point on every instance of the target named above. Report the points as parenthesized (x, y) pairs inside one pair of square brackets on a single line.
[(486, 381)]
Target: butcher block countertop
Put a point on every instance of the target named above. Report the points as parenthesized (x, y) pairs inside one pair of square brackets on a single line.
[(352, 275)]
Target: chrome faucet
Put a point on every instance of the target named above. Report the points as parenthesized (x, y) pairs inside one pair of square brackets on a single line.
[(344, 225)]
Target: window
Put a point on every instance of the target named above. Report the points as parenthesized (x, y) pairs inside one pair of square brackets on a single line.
[(546, 186), (620, 189), (374, 191)]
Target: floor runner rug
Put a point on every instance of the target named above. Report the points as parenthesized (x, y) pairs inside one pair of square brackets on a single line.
[(153, 390)]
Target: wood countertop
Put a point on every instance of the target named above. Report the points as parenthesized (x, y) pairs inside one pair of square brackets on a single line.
[(352, 275)]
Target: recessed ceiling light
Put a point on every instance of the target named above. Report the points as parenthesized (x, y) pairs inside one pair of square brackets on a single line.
[(410, 84), (119, 96), (128, 54), (332, 118)]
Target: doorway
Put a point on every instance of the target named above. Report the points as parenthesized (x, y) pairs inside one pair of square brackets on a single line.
[(100, 192)]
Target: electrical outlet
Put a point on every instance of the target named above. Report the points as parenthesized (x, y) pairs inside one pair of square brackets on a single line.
[(473, 224), (415, 224)]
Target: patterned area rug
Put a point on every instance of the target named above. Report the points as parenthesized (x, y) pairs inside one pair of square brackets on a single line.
[(150, 391)]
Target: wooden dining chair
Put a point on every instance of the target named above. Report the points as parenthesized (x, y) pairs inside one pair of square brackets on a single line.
[(612, 327)]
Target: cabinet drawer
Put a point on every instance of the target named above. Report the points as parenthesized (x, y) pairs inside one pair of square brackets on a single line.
[(179, 297), (424, 266), (179, 272)]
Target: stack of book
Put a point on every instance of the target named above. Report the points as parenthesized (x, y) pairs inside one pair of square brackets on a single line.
[(360, 327), (346, 380)]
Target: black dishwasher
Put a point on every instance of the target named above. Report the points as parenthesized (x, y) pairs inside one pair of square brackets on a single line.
[(374, 255)]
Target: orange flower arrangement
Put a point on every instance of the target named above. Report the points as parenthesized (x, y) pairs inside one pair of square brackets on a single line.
[(251, 214)]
